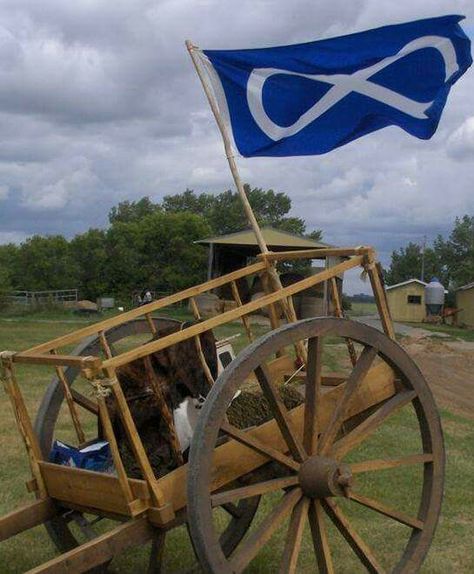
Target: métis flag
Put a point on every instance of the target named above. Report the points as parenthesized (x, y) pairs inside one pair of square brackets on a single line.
[(310, 98)]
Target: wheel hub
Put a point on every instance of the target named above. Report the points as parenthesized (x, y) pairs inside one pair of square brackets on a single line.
[(320, 477)]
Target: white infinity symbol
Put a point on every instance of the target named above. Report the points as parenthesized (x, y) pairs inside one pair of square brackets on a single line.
[(344, 84)]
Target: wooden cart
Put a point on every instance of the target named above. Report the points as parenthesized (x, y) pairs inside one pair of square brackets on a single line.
[(302, 458)]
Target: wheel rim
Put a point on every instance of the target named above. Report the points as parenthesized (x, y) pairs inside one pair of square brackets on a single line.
[(312, 488)]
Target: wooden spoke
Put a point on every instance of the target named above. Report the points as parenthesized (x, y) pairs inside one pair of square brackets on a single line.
[(281, 415), (156, 553), (259, 446), (253, 490), (250, 547), (386, 511), (382, 464), (312, 395), (371, 423), (358, 373), (294, 538), (320, 539), (359, 547), (232, 509)]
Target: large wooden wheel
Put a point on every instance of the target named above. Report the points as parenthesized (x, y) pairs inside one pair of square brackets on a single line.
[(373, 475), (73, 527)]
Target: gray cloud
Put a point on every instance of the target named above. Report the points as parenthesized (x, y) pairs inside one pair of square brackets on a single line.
[(99, 103)]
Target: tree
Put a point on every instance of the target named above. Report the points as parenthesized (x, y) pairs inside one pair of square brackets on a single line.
[(43, 263), (457, 253), (225, 214), (89, 251), (8, 253), (128, 211), (407, 264)]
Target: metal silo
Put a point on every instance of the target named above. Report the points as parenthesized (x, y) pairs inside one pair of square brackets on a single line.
[(434, 297)]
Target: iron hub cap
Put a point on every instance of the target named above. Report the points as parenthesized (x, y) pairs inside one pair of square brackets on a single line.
[(321, 477)]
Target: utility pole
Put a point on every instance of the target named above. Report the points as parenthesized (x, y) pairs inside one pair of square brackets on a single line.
[(423, 248)]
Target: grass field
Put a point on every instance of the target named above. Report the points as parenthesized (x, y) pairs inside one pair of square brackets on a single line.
[(452, 548), (360, 309)]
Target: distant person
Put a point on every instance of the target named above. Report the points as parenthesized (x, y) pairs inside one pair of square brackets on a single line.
[(147, 297)]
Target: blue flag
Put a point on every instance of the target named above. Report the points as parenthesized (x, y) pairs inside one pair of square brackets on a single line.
[(310, 98)]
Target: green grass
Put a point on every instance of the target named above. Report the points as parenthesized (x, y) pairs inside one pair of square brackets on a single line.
[(454, 332), (451, 550), (360, 309)]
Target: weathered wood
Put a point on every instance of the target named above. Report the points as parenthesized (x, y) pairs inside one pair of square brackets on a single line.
[(280, 413), (26, 517), (60, 360), (385, 464), (151, 324), (358, 373), (245, 320), (24, 424), (339, 312), (235, 458), (85, 402), (155, 561), (81, 437), (317, 253), (114, 449), (251, 546), (312, 395), (380, 295), (80, 334), (94, 490), (231, 315), (320, 538), (386, 510), (360, 548), (197, 342), (105, 344), (253, 490), (294, 537), (100, 550)]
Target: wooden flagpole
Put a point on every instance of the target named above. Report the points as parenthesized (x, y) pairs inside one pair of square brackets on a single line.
[(273, 275), (228, 149)]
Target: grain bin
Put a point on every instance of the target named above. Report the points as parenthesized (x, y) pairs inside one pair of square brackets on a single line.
[(434, 297)]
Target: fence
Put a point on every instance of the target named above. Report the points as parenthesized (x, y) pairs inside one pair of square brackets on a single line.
[(37, 298)]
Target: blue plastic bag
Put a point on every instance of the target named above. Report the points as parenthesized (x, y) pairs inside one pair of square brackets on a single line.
[(95, 456)]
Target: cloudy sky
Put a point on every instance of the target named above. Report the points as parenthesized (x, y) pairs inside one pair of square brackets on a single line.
[(99, 103)]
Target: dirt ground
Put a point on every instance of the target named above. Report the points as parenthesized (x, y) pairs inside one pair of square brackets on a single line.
[(449, 369)]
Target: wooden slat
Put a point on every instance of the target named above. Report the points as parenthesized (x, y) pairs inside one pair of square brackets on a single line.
[(249, 440), (245, 320), (386, 510), (320, 538), (294, 537), (280, 413), (99, 550), (340, 313), (93, 490), (248, 549), (233, 459), (380, 297), (85, 402), (141, 311), (65, 360), (314, 253), (384, 464), (253, 490), (231, 315), (312, 395), (26, 517), (361, 369), (360, 548), (371, 424)]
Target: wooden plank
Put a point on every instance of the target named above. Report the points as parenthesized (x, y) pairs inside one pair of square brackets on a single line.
[(231, 315), (233, 459), (141, 311), (92, 490), (56, 360), (26, 517), (85, 402), (385, 464), (100, 550), (380, 296), (314, 253)]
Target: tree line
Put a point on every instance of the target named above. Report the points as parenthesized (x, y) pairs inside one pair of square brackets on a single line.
[(451, 260), (146, 245)]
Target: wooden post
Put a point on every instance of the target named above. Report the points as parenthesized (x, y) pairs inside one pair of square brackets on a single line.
[(245, 319), (339, 312), (70, 403), (197, 342), (23, 421), (373, 271)]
